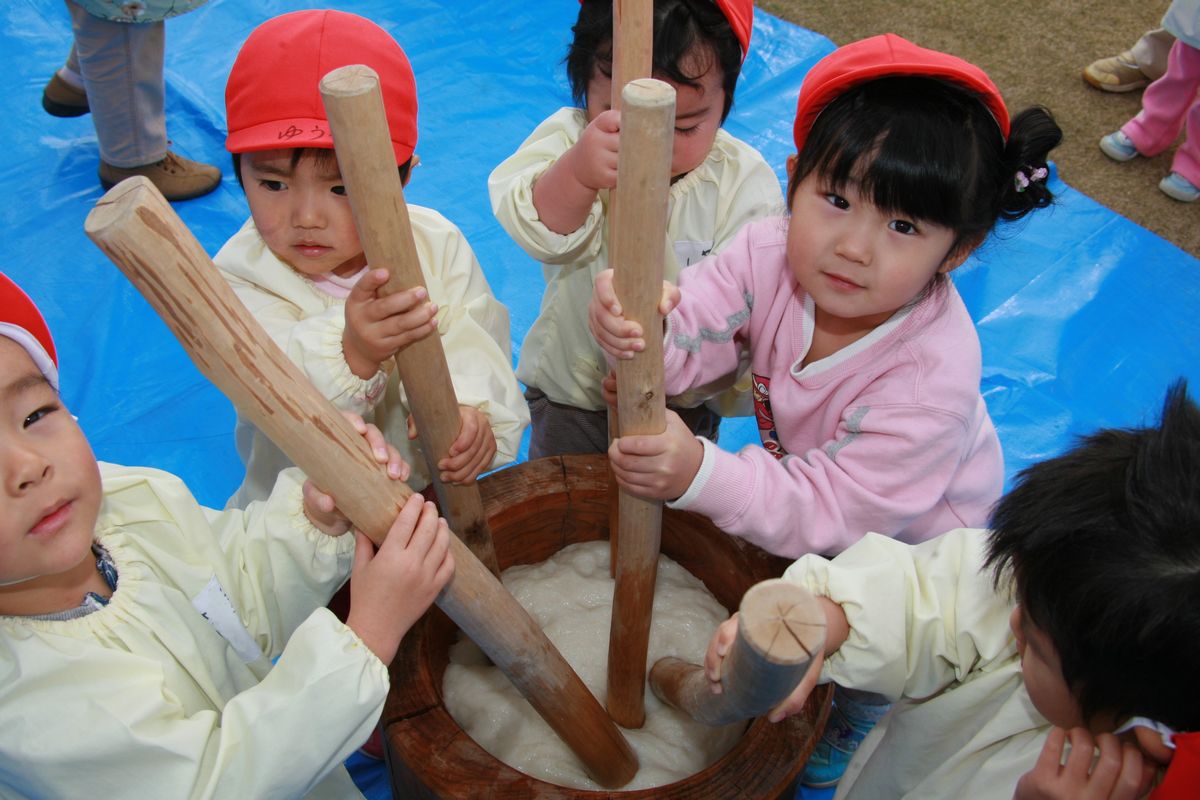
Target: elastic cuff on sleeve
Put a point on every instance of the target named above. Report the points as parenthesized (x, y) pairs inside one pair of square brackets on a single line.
[(685, 500)]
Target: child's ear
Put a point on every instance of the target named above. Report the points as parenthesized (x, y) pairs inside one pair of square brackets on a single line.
[(955, 258), (792, 161), (407, 175)]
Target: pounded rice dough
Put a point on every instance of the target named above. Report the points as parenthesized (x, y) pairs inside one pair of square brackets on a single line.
[(570, 596)]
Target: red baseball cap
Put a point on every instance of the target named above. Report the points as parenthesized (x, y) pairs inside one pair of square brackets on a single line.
[(273, 97), (21, 321), (887, 56), (740, 14)]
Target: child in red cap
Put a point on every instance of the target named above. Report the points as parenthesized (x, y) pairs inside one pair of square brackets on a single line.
[(298, 265), (865, 363), (154, 648), (552, 198), (1053, 657)]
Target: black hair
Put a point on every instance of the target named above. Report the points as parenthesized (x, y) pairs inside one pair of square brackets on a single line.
[(323, 156), (1104, 546), (932, 151), (690, 36)]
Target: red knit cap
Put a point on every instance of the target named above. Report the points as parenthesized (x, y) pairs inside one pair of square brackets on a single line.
[(887, 56), (21, 321), (273, 97)]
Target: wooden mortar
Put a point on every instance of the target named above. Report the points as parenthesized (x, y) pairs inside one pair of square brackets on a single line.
[(535, 509)]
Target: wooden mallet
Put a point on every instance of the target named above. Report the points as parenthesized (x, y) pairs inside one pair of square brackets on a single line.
[(140, 232), (780, 629), (644, 174), (632, 58), (358, 122)]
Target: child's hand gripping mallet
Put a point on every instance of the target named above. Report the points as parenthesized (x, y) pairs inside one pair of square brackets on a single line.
[(643, 173), (141, 234), (632, 58), (780, 629), (358, 122)]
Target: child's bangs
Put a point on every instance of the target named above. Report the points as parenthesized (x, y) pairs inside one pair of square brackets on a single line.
[(910, 153)]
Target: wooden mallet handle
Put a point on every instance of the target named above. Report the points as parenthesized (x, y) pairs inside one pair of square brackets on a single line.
[(780, 629), (632, 58), (644, 174), (358, 121), (140, 232)]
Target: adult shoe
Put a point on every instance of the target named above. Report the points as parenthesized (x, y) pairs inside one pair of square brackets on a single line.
[(178, 178)]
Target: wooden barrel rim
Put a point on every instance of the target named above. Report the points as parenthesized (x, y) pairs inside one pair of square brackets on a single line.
[(536, 508)]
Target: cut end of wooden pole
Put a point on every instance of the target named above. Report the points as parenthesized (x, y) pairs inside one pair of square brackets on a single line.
[(782, 621), (349, 81), (648, 93), (117, 202)]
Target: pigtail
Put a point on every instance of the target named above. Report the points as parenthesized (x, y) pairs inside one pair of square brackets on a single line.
[(1034, 133)]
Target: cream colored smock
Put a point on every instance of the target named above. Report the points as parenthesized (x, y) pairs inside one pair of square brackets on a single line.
[(308, 323), (928, 631), (706, 207), (147, 698)]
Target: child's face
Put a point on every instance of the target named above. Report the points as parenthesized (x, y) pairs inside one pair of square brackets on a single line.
[(859, 264), (51, 481), (1041, 670), (697, 115), (302, 213)]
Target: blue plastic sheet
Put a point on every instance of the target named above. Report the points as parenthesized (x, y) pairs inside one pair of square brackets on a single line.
[(1084, 316)]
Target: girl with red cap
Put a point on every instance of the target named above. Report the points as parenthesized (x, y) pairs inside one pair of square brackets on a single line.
[(298, 265), (552, 198), (151, 647), (866, 365)]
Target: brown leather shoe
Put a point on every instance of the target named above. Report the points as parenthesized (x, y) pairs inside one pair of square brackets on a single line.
[(63, 100), (178, 178)]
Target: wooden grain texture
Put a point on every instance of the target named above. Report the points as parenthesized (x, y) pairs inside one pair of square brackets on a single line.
[(780, 629), (632, 58), (535, 509), (644, 172), (141, 234), (358, 122)]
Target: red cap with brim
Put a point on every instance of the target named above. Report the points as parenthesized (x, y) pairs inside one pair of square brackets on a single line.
[(21, 321), (273, 97), (887, 56), (740, 14)]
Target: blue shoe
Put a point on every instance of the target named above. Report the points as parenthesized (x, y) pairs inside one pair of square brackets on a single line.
[(849, 723), (1118, 146), (1179, 188)]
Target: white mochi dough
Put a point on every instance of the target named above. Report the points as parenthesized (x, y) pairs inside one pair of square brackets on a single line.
[(570, 596)]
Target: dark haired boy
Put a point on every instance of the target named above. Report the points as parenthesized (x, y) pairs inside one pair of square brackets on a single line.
[(1073, 620)]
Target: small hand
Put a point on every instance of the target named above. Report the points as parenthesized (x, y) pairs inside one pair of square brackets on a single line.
[(1118, 773), (621, 338), (594, 156), (377, 327), (392, 586), (322, 510), (718, 648), (660, 466), (473, 449), (608, 389)]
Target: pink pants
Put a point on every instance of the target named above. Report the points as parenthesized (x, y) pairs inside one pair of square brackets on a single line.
[(1167, 104)]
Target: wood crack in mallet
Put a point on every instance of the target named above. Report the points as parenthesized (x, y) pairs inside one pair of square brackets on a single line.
[(358, 123), (142, 235), (644, 175), (766, 662)]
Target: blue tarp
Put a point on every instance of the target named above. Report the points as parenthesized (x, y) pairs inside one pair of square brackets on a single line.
[(1084, 316)]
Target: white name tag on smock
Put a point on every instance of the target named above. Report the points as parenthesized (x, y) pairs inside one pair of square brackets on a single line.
[(214, 605), (688, 253)]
